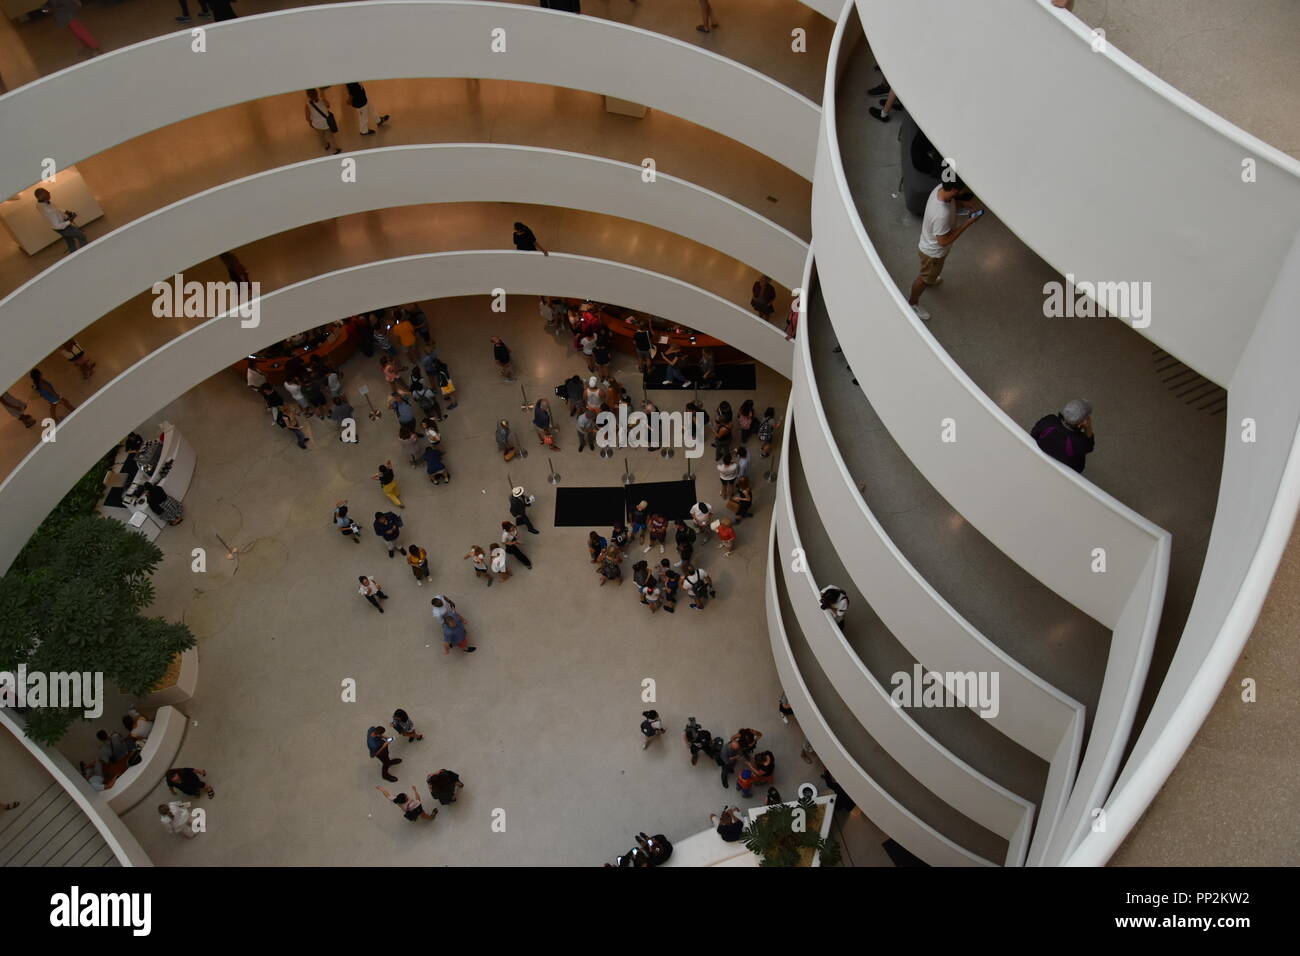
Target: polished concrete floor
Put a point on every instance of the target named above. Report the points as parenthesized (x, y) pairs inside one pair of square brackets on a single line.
[(541, 722)]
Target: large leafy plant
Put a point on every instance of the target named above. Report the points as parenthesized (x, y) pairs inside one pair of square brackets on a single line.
[(73, 601), (788, 835)]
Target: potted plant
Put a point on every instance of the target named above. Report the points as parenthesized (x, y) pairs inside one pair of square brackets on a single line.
[(793, 834), (73, 601)]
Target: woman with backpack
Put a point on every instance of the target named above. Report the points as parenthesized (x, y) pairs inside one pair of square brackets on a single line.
[(544, 423)]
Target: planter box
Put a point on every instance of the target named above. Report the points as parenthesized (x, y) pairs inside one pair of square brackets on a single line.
[(828, 815), (180, 684)]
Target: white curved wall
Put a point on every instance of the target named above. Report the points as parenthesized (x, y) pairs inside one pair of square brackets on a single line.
[(1044, 516), (1103, 169), (881, 808), (830, 9), (78, 289), (87, 108), (50, 469), (1035, 714), (948, 777), (1259, 494)]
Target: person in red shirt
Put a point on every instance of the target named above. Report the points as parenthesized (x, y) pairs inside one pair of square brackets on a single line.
[(726, 535), (658, 527)]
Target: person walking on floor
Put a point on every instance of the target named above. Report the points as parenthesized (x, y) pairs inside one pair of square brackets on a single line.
[(43, 387), (388, 482), (189, 781), (586, 426), (320, 117), (18, 409), (501, 355), (75, 354), (651, 595), (510, 539), (727, 759), (65, 15), (377, 744), (418, 559), (388, 528), (444, 785), (222, 10), (544, 423), (440, 606), (176, 819), (411, 806), (652, 727), (699, 584), (685, 540), (185, 11), (372, 591), (526, 240), (345, 523), (639, 520), (434, 466), (937, 236), (404, 725), (728, 471), (726, 536), (670, 583), (358, 100), (291, 423), (741, 500), (519, 505), (702, 518), (454, 634), (479, 559), (657, 526), (708, 24), (766, 432)]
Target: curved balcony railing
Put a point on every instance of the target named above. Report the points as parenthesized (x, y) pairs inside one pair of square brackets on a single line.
[(947, 776), (90, 107), (50, 469), (61, 301), (1045, 517), (883, 809), (1134, 181)]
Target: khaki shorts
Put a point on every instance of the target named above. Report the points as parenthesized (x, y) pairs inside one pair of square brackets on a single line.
[(930, 268)]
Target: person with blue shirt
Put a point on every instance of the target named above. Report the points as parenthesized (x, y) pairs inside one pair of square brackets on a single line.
[(433, 464), (377, 744)]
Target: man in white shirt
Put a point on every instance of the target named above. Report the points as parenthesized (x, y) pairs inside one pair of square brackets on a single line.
[(61, 221), (176, 818), (937, 235), (441, 605), (702, 518)]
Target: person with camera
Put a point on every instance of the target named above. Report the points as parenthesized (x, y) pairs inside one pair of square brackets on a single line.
[(377, 744), (651, 727), (62, 221), (698, 741)]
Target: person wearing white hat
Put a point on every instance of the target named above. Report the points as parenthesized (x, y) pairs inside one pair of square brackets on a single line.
[(593, 395), (519, 504)]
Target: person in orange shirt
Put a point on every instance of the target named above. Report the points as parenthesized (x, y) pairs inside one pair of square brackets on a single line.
[(404, 332), (726, 535)]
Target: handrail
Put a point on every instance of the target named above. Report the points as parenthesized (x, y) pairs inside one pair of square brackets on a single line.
[(1113, 206), (878, 804), (58, 303), (252, 57), (957, 783), (1103, 596)]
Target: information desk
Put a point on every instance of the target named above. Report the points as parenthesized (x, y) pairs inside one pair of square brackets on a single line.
[(166, 460), (665, 333)]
